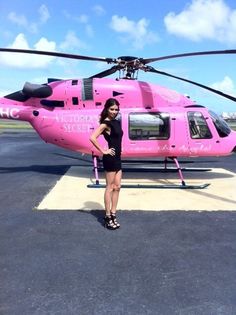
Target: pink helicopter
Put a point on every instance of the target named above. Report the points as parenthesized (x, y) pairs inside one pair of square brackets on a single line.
[(157, 121)]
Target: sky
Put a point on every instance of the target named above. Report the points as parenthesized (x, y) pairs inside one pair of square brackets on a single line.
[(105, 28)]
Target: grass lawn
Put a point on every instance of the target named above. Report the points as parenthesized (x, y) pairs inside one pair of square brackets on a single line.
[(8, 124)]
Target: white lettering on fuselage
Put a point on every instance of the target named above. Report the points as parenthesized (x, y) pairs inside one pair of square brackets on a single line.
[(201, 149), (76, 123), (77, 128), (167, 148), (10, 113), (72, 118)]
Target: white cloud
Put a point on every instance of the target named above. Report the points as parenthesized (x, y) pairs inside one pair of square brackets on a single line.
[(19, 20), (99, 10), (83, 19), (44, 14), (22, 21), (204, 19), (226, 85), (27, 60), (72, 42), (136, 32)]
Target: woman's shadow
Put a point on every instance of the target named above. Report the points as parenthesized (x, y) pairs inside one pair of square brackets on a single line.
[(96, 211)]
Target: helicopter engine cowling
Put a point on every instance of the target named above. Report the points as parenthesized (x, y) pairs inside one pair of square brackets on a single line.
[(37, 90)]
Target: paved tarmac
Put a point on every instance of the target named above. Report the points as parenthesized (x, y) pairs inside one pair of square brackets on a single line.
[(65, 262)]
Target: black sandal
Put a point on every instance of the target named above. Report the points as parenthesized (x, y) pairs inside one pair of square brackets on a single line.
[(114, 220), (108, 223)]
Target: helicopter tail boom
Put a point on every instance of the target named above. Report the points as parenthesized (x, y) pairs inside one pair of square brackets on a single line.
[(14, 112)]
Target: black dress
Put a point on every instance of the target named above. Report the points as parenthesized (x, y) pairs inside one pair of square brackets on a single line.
[(113, 163)]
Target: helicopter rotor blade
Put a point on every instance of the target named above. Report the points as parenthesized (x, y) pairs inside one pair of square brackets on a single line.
[(133, 63), (106, 72), (151, 69), (211, 52), (57, 54)]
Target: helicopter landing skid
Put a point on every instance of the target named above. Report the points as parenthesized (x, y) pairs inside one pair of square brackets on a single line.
[(183, 185), (152, 186)]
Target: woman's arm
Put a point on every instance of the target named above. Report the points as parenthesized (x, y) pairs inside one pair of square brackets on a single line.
[(95, 135)]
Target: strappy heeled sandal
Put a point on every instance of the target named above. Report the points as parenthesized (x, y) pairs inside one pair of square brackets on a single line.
[(108, 223), (114, 220)]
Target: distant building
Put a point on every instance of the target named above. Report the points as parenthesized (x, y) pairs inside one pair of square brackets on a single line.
[(228, 116)]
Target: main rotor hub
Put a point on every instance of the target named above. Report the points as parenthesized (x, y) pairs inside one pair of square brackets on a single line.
[(129, 65), (128, 61)]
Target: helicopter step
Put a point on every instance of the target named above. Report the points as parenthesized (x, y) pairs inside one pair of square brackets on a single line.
[(178, 169), (152, 186)]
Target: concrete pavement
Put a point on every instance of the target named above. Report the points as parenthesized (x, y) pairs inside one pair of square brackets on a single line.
[(71, 191)]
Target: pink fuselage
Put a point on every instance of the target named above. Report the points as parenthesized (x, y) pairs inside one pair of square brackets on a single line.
[(70, 126)]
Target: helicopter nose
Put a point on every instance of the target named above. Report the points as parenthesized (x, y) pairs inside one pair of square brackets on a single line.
[(233, 141)]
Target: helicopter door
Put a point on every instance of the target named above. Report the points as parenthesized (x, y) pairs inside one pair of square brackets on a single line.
[(179, 145), (200, 135), (148, 133)]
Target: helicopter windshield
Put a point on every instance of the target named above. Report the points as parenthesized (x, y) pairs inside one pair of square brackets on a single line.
[(221, 126)]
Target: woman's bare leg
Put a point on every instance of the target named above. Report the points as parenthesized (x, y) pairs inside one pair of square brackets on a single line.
[(116, 191), (110, 179)]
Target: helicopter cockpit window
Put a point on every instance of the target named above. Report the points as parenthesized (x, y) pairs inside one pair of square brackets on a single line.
[(221, 126), (149, 126), (198, 126)]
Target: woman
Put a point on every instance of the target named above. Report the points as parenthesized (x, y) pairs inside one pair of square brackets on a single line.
[(110, 128)]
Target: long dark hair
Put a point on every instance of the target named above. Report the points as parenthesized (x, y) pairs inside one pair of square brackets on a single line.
[(110, 102)]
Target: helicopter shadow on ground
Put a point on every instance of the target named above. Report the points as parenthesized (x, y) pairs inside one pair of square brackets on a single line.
[(154, 174), (86, 171), (46, 169), (59, 169), (77, 158), (213, 196)]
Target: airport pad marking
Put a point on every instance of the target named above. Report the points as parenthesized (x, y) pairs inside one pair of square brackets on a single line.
[(71, 192)]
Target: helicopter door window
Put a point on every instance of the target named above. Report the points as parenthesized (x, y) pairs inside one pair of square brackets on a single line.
[(198, 126), (149, 126)]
